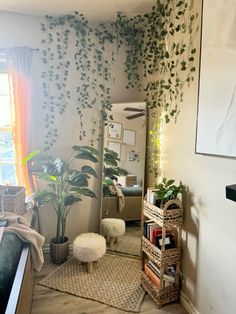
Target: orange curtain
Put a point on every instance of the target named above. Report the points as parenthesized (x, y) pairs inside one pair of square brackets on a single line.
[(20, 60)]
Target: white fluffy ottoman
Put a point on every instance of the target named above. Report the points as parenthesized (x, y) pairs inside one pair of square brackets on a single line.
[(89, 247), (112, 228)]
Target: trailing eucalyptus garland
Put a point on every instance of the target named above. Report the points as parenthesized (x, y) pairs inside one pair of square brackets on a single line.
[(159, 60)]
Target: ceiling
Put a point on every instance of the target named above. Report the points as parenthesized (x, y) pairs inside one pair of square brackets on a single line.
[(95, 10)]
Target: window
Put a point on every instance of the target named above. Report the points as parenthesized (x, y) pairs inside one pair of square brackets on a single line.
[(7, 155)]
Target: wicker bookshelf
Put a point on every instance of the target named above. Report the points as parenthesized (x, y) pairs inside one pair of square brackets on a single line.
[(168, 219)]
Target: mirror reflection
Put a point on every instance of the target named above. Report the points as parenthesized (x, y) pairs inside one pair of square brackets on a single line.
[(123, 177)]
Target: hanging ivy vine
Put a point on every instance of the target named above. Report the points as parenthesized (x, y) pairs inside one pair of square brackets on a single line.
[(73, 51), (159, 60)]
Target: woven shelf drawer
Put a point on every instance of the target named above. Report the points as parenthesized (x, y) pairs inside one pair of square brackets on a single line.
[(168, 257), (160, 296), (164, 216), (13, 199)]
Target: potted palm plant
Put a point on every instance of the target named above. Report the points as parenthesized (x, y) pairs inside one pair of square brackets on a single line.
[(65, 186)]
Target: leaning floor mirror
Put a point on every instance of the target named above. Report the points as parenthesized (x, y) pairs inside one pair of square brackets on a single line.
[(123, 177)]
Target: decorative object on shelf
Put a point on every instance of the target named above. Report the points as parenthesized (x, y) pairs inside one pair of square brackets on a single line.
[(133, 155), (129, 137), (166, 191), (115, 147), (66, 186), (114, 130), (161, 249)]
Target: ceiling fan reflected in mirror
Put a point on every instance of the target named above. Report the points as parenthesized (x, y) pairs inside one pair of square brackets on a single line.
[(140, 112)]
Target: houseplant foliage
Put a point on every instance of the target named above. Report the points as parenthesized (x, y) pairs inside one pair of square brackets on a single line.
[(160, 60), (111, 171), (166, 191), (66, 186)]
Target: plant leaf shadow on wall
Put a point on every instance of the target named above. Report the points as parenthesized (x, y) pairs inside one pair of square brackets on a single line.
[(190, 239)]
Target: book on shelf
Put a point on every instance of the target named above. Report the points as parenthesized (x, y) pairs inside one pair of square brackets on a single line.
[(153, 232), (146, 223), (151, 195), (151, 275), (169, 272)]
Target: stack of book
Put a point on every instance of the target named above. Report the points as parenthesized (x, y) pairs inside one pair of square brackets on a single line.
[(151, 195), (153, 273), (153, 231)]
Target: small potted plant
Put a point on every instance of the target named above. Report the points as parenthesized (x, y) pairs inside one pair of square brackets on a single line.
[(166, 191), (66, 186)]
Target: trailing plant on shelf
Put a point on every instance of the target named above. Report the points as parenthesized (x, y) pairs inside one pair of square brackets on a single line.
[(166, 191), (65, 186)]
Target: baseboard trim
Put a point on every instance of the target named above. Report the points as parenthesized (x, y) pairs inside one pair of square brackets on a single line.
[(187, 304), (46, 248)]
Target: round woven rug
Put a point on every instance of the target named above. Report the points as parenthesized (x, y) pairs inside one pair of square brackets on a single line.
[(115, 281)]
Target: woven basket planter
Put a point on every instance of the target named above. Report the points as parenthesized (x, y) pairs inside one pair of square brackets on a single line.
[(13, 199), (160, 296), (165, 216), (59, 252)]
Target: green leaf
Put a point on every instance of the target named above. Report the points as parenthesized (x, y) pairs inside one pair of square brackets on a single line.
[(86, 155), (170, 182), (84, 148), (47, 177), (110, 172), (122, 172), (84, 192), (33, 154), (55, 167), (43, 197), (71, 199), (78, 179), (168, 194), (89, 170)]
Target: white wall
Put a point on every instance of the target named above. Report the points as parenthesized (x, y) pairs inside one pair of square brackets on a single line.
[(24, 30), (209, 250)]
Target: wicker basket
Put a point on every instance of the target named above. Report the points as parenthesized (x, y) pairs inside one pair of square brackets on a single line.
[(167, 257), (165, 216), (13, 199), (160, 296)]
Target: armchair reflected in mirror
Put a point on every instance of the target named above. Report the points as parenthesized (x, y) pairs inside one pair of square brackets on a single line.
[(123, 177)]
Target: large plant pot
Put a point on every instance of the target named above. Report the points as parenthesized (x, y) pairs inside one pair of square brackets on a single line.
[(59, 252)]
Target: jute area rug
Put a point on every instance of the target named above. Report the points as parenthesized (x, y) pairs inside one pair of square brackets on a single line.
[(130, 242), (115, 281), (127, 244)]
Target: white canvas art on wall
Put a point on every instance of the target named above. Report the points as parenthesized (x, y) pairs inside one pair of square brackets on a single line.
[(216, 123)]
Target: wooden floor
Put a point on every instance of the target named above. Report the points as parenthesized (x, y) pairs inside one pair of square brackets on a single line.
[(48, 301)]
